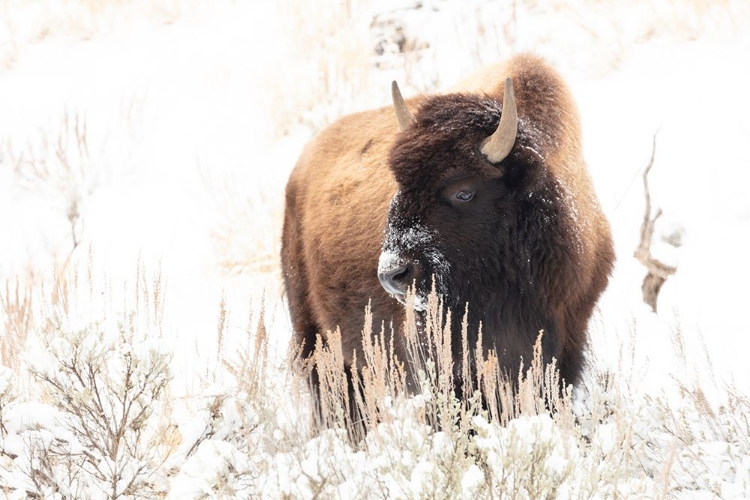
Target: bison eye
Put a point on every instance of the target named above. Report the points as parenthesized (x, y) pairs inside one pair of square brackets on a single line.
[(464, 196)]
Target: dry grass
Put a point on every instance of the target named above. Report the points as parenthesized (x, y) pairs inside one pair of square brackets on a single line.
[(328, 50), (256, 211), (17, 314), (383, 377), (514, 433), (24, 23)]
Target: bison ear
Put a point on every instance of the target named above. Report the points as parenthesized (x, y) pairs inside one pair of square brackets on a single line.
[(497, 146), (402, 113)]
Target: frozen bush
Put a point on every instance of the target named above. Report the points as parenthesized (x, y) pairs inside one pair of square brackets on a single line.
[(107, 439)]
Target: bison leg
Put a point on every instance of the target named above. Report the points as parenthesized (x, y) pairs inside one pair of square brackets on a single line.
[(296, 283)]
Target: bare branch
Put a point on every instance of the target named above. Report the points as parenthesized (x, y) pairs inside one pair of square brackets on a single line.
[(658, 272)]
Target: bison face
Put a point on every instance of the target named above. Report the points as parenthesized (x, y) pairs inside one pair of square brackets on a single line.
[(458, 221), (444, 236)]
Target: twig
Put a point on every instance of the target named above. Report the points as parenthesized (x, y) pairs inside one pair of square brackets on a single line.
[(658, 272)]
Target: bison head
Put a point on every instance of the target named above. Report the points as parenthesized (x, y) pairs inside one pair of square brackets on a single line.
[(475, 212)]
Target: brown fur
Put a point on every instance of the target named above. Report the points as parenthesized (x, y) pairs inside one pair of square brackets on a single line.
[(537, 255)]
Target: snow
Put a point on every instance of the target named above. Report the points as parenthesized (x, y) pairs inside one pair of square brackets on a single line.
[(697, 180), (407, 239), (194, 118), (212, 466), (387, 261)]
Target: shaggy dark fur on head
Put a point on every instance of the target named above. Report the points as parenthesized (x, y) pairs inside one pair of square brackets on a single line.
[(445, 140), (497, 253)]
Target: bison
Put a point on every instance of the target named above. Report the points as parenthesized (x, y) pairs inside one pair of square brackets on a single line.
[(481, 193)]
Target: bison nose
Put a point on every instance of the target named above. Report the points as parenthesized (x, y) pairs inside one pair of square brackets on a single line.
[(397, 279)]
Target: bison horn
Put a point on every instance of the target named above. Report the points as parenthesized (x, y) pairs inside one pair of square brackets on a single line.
[(402, 113), (497, 146)]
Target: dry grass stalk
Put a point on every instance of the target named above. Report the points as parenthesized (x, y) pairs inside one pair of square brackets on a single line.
[(221, 326), (335, 401), (381, 377), (250, 368), (16, 303)]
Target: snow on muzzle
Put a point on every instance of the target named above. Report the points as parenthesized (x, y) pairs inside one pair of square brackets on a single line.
[(396, 274), (410, 258)]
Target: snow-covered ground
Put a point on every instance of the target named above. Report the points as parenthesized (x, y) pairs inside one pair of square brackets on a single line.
[(691, 96), (180, 125)]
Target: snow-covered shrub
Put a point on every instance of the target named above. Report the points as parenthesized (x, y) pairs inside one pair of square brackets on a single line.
[(98, 423), (528, 458), (107, 383), (218, 457), (231, 432), (705, 446)]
